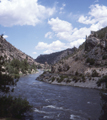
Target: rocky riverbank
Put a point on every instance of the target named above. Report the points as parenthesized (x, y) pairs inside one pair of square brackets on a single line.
[(64, 79)]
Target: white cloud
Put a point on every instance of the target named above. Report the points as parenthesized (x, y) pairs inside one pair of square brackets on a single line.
[(98, 12), (52, 47), (48, 51), (58, 46), (77, 43), (41, 46), (65, 31), (49, 35), (62, 29), (34, 53), (23, 12), (86, 20), (97, 17), (60, 25), (62, 8), (80, 33), (5, 36)]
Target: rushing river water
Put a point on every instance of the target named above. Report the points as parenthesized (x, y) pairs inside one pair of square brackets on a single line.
[(55, 102)]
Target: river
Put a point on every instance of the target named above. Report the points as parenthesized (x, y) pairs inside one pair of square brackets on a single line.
[(56, 102)]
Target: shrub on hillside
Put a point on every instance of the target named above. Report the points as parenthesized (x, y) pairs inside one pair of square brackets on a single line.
[(102, 80), (83, 78), (104, 57), (76, 73), (68, 81), (53, 78), (75, 79), (94, 73), (90, 60), (59, 80)]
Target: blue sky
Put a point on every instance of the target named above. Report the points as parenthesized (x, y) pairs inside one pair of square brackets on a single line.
[(45, 26)]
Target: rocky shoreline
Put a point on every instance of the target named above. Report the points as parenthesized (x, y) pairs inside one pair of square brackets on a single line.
[(61, 79)]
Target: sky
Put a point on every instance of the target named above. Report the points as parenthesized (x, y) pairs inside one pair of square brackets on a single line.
[(45, 26)]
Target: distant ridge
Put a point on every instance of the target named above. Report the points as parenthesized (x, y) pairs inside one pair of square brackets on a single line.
[(55, 57)]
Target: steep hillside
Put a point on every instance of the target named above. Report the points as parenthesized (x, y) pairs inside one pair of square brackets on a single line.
[(10, 52), (87, 67), (55, 57), (92, 53)]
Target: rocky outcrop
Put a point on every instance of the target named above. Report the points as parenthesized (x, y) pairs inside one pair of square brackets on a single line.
[(91, 42)]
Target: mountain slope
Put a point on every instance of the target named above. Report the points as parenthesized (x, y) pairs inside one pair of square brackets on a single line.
[(87, 67), (92, 53), (10, 52), (55, 57)]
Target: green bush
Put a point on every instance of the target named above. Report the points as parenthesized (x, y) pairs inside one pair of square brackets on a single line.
[(14, 66), (68, 81), (16, 71), (16, 76), (13, 107), (76, 79), (76, 59), (59, 80), (102, 80), (76, 73), (29, 71), (104, 57), (94, 73), (90, 60), (83, 78), (5, 82), (23, 71), (53, 79), (10, 69)]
